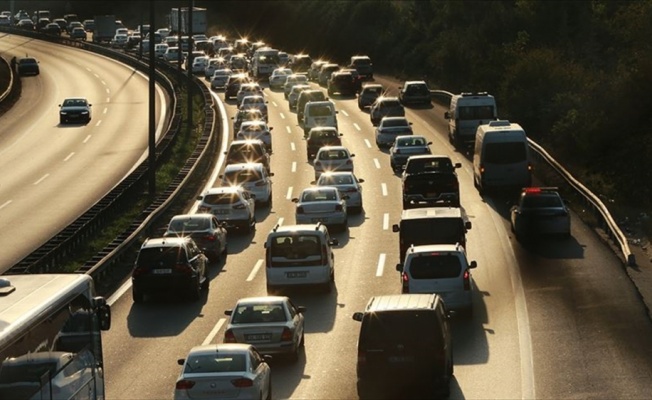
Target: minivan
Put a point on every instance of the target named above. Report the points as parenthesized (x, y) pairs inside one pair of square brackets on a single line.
[(306, 96), (404, 347), (466, 112), (319, 113)]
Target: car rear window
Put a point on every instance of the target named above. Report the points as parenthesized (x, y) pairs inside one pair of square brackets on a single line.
[(321, 111), (542, 201), (216, 363), (436, 266), (221, 198), (258, 313), (431, 230), (333, 155), (407, 142), (336, 180), (505, 153), (164, 255), (383, 329), (242, 176), (189, 225), (391, 123), (429, 164)]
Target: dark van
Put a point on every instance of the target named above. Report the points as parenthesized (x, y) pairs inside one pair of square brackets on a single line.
[(404, 347), (306, 96)]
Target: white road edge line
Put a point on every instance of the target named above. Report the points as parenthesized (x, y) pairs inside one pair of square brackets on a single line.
[(5, 204), (214, 331), (381, 264), (254, 271)]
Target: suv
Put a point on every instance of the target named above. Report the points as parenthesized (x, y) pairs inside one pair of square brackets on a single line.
[(414, 92), (233, 85), (233, 205), (319, 137), (325, 73), (429, 163), (249, 150), (306, 96), (442, 269), (404, 347), (364, 67), (299, 255), (170, 263), (207, 232), (342, 83), (428, 189), (431, 225), (369, 94), (385, 107)]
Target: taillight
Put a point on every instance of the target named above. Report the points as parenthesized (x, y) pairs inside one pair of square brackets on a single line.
[(317, 163), (338, 207), (349, 162), (185, 384), (467, 280), (286, 335), (299, 210), (184, 268), (397, 151), (242, 382), (406, 282), (138, 271), (481, 169), (229, 337), (210, 237)]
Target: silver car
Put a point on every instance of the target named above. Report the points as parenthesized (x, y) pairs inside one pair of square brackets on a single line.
[(256, 130), (253, 177), (391, 127), (322, 204), (273, 324), (207, 232), (220, 77), (406, 146), (230, 204), (224, 371), (348, 185), (333, 158)]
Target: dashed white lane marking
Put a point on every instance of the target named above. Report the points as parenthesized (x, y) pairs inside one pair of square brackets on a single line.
[(41, 179), (383, 187), (293, 147), (385, 221), (294, 166), (87, 139), (103, 83), (69, 157), (345, 113), (356, 126), (254, 271), (108, 90), (287, 128), (282, 115), (5, 204), (99, 123), (214, 331), (381, 264), (377, 163), (274, 104), (366, 142), (289, 194), (280, 221)]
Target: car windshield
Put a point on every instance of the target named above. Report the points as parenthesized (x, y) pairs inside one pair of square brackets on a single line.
[(210, 363), (168, 255), (189, 224), (542, 201), (74, 103), (242, 176), (436, 266), (258, 313)]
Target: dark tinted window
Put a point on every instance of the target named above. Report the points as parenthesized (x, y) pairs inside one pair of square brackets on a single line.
[(295, 246), (216, 363), (167, 256), (505, 153), (435, 266), (431, 231), (542, 200), (259, 313), (476, 112), (382, 329), (189, 224), (221, 198)]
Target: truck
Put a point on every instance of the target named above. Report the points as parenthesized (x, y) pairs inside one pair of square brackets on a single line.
[(198, 21), (104, 28), (264, 61)]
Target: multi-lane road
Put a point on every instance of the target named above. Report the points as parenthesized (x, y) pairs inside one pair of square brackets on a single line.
[(555, 319)]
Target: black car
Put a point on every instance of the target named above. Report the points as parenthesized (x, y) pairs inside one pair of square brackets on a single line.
[(28, 66), (75, 109), (342, 83), (322, 136), (168, 265), (428, 189), (233, 85), (414, 92)]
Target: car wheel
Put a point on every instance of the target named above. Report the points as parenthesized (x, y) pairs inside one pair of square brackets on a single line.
[(137, 294)]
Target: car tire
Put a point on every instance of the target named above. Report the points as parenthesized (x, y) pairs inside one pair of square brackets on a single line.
[(137, 294), (195, 292)]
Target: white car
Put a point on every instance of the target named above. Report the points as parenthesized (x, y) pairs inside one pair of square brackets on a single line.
[(249, 89), (220, 371), (293, 97), (333, 158), (172, 55), (232, 205), (253, 177), (220, 77), (348, 185), (213, 65), (119, 40), (278, 77), (160, 49), (256, 130), (294, 79), (321, 204), (271, 323), (199, 64), (391, 127), (254, 101)]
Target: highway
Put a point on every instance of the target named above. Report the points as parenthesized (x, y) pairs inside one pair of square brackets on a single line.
[(554, 319), (51, 173)]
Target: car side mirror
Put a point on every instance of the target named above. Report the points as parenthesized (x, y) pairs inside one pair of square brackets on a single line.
[(360, 180), (295, 200), (473, 264), (467, 225), (399, 267), (395, 228), (334, 242), (352, 155), (199, 198), (458, 165), (447, 115), (357, 316), (228, 312), (181, 361), (301, 309), (271, 174)]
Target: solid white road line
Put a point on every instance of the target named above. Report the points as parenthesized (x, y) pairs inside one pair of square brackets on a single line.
[(41, 179), (5, 204), (214, 331), (254, 271), (69, 157)]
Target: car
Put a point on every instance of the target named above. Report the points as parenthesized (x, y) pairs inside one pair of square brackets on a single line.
[(199, 64), (319, 137), (224, 370), (171, 55), (540, 211), (250, 89), (293, 97), (429, 163), (273, 324), (301, 63), (5, 20), (167, 265), (333, 158), (414, 92), (322, 204), (238, 63), (368, 95), (232, 205), (294, 79), (363, 65), (385, 106), (25, 24), (220, 78), (249, 114), (389, 128), (244, 151), (256, 130), (78, 33), (405, 347), (160, 49), (319, 113), (89, 25), (342, 82), (278, 77), (233, 85), (52, 28), (207, 232), (315, 67), (213, 64), (67, 375), (406, 146), (300, 255), (72, 25), (348, 185), (75, 109), (431, 189), (442, 269), (28, 66), (63, 24), (253, 177), (195, 55), (306, 96), (120, 40), (325, 73), (357, 79)]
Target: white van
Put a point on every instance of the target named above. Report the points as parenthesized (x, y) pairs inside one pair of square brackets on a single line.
[(501, 157), (468, 111), (319, 113), (299, 255)]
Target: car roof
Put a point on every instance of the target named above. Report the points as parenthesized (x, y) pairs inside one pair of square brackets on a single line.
[(402, 302), (299, 228), (224, 189), (432, 212), (211, 349), (319, 189), (336, 173), (430, 157), (241, 166), (393, 118), (327, 148), (415, 83), (248, 142), (173, 241), (436, 247), (262, 300)]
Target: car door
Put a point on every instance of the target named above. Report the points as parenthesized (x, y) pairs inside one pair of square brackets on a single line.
[(261, 372), (220, 232), (297, 320), (249, 202)]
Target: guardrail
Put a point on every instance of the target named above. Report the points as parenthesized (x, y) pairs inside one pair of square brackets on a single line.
[(599, 210), (69, 239)]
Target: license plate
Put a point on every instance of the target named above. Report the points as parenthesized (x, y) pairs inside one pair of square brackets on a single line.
[(162, 271), (315, 220), (401, 359), (299, 274), (258, 336), (431, 194)]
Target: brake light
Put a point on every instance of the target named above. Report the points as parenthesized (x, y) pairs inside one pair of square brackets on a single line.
[(406, 282), (317, 163), (229, 337), (299, 210), (532, 190), (467, 280), (185, 384), (184, 268), (242, 382), (397, 151), (286, 335), (138, 271), (210, 237), (349, 162), (482, 169)]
